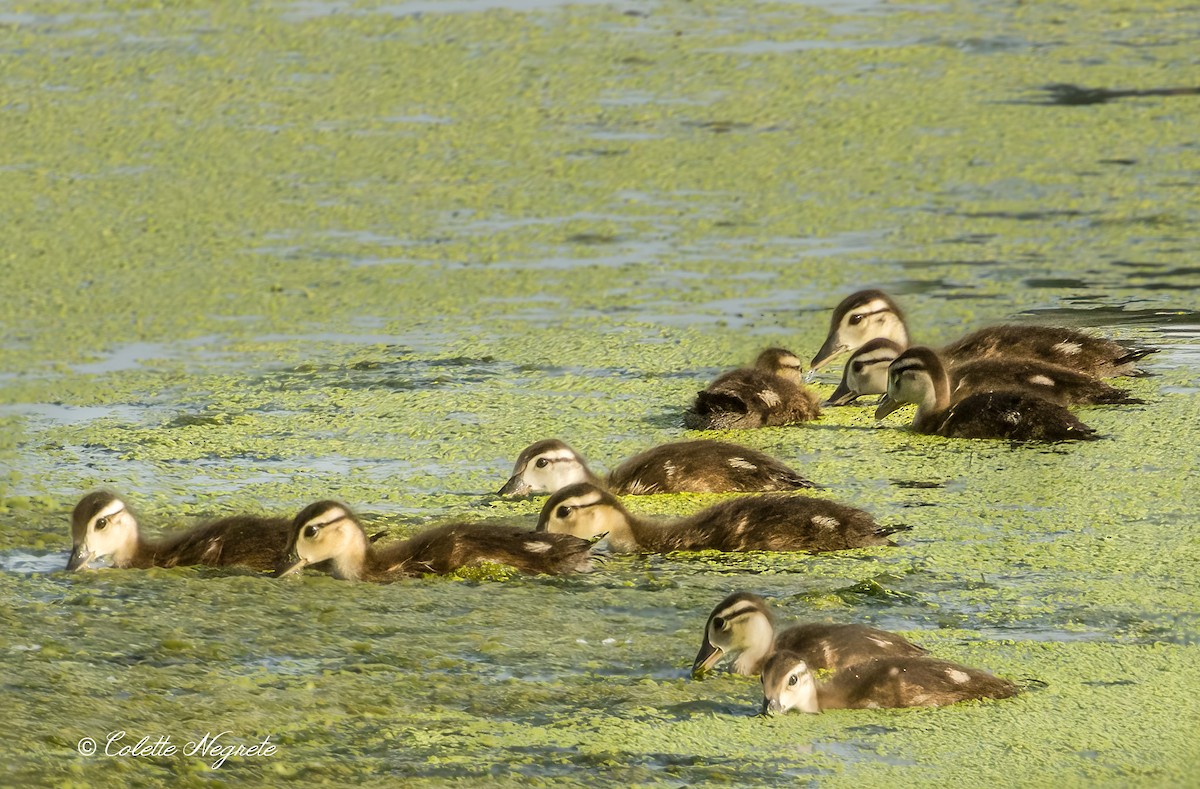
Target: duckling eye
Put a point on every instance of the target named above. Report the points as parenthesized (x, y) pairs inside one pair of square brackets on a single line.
[(719, 623), (792, 680), (563, 511), (311, 531), (101, 523), (857, 318), (858, 366), (542, 463)]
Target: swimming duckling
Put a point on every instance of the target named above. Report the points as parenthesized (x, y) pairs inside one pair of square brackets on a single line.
[(770, 394), (330, 531), (788, 684), (749, 523), (869, 314), (917, 376), (102, 526), (741, 627), (682, 467), (866, 373)]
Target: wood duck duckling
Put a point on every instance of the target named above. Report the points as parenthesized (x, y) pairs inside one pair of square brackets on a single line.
[(866, 374), (871, 314), (103, 527), (770, 394), (681, 467), (741, 627), (749, 523), (330, 531), (917, 376), (788, 684)]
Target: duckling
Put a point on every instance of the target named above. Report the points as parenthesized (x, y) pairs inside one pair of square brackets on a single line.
[(917, 376), (682, 467), (741, 627), (866, 373), (749, 523), (770, 394), (869, 314), (788, 684), (103, 526), (330, 531)]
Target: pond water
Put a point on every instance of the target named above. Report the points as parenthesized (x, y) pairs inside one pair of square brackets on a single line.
[(261, 254)]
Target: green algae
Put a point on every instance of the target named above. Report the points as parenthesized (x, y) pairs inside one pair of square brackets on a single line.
[(261, 255)]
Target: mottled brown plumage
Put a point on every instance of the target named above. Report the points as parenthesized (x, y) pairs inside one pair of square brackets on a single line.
[(742, 628), (871, 314), (771, 393), (749, 523), (917, 376), (330, 531), (102, 526), (681, 467), (788, 684), (866, 374)]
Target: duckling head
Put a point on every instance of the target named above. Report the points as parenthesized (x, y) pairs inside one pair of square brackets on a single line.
[(102, 526), (545, 467), (861, 317), (325, 530), (866, 371), (788, 685), (918, 377), (781, 362), (588, 511), (740, 626)]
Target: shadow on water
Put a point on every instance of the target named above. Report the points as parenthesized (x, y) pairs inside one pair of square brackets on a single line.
[(1068, 95)]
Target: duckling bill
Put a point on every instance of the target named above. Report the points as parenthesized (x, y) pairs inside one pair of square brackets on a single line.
[(741, 628), (748, 523), (330, 531), (681, 467), (104, 528), (788, 684)]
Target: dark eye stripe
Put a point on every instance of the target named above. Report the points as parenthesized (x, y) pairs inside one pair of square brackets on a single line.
[(739, 612)]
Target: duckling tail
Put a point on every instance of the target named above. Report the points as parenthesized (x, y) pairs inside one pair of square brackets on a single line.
[(1135, 355), (888, 531)]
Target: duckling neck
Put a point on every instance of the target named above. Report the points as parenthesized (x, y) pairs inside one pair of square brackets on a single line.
[(625, 535), (760, 640), (140, 553), (686, 534), (351, 563), (937, 400)]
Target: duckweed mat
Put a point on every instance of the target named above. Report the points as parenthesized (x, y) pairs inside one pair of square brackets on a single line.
[(257, 254)]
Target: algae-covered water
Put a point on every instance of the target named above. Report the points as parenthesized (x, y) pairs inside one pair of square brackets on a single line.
[(257, 254)]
